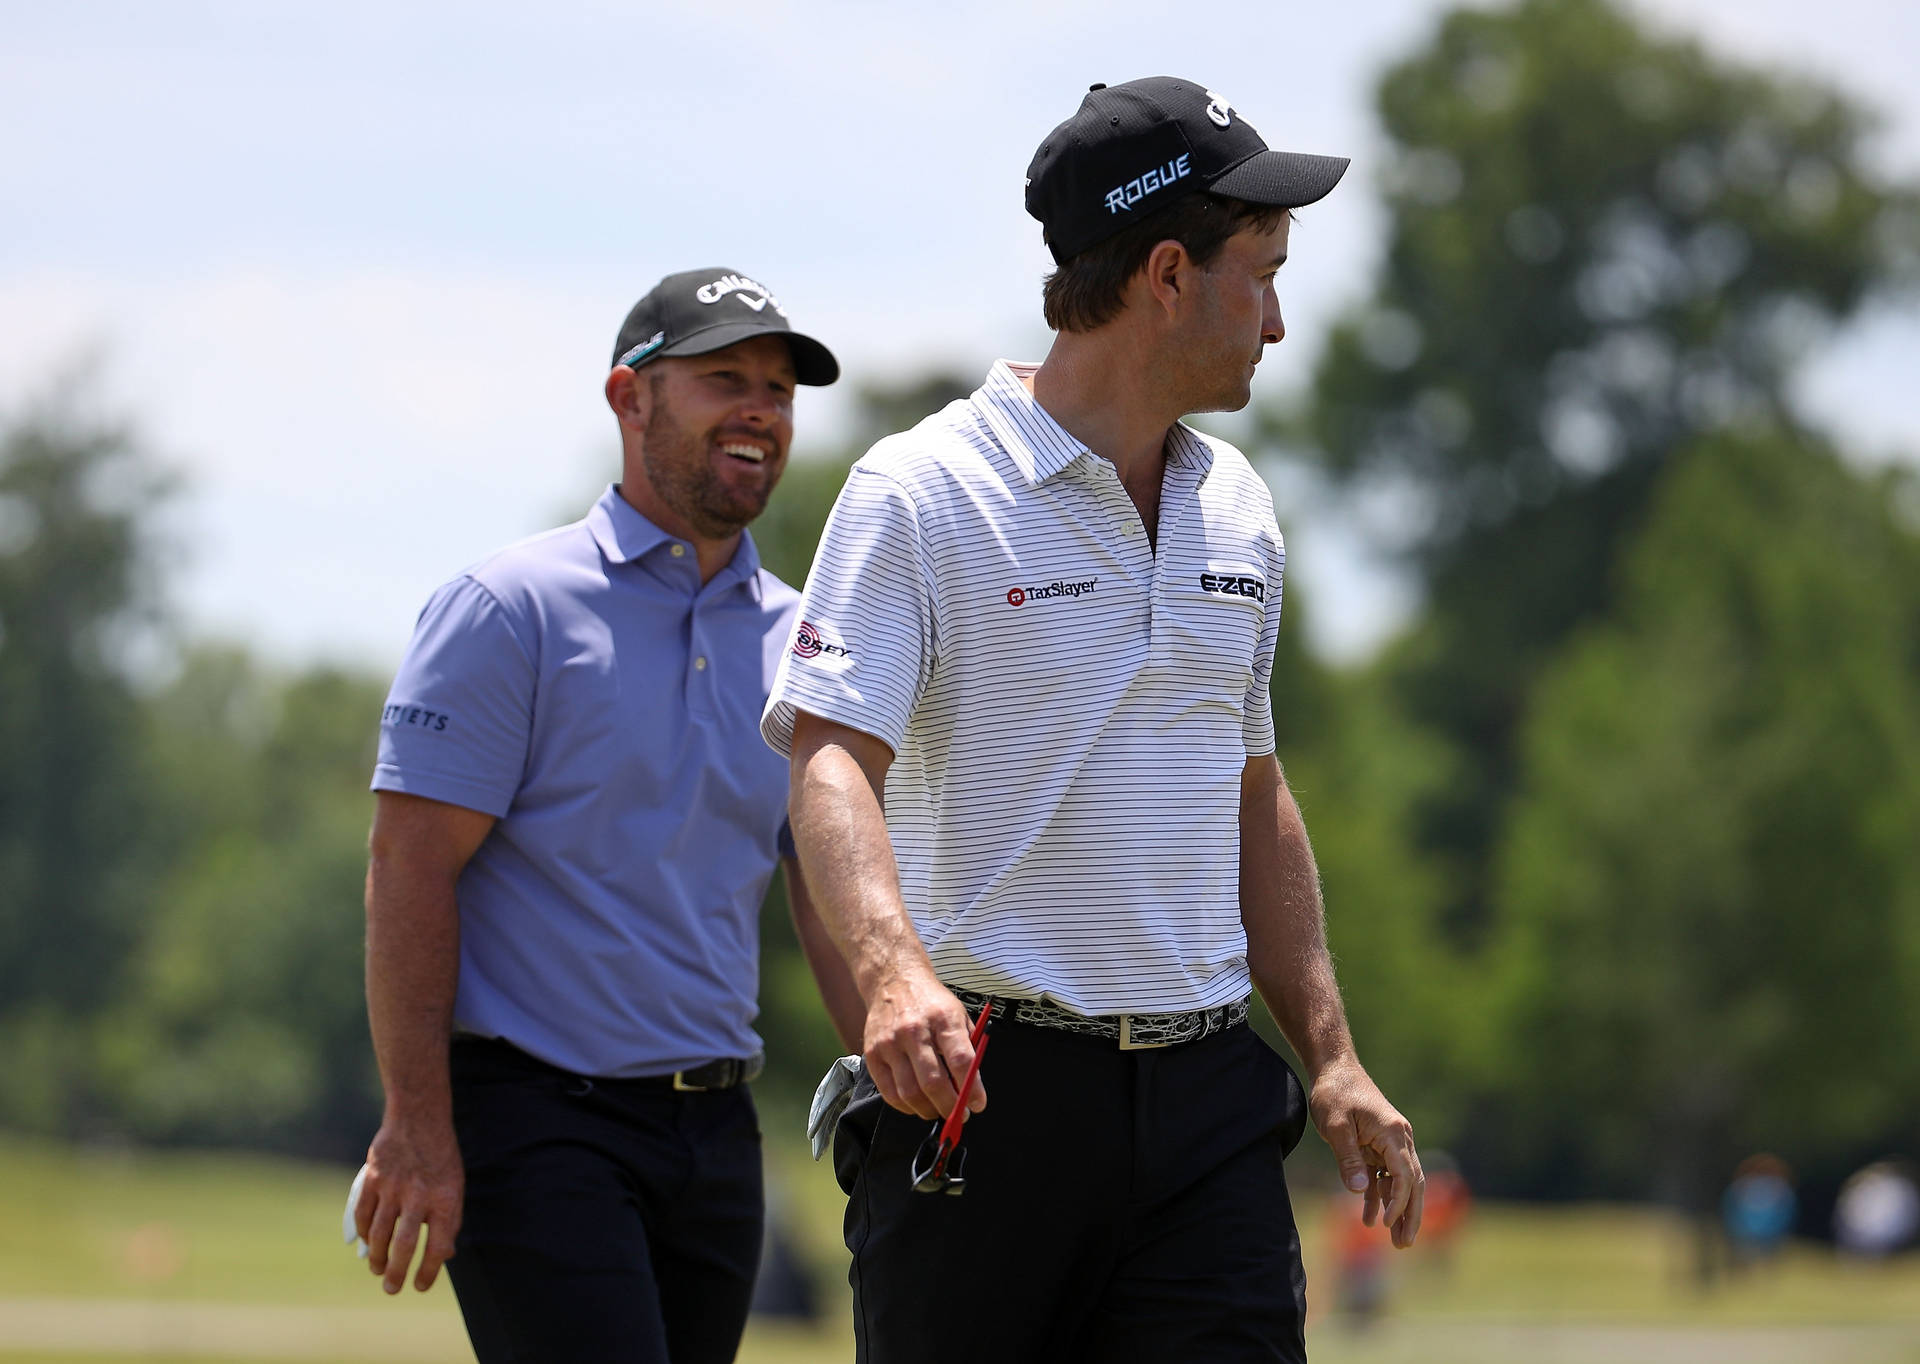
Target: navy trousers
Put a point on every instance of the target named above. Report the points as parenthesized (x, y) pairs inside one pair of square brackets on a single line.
[(1119, 1206), (612, 1221)]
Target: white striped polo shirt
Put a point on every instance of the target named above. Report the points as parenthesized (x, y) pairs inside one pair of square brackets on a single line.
[(1069, 711)]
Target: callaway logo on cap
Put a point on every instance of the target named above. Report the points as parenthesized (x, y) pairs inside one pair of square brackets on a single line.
[(698, 311), (1137, 147)]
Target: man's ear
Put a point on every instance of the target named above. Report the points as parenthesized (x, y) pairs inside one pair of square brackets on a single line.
[(631, 398), (1168, 274)]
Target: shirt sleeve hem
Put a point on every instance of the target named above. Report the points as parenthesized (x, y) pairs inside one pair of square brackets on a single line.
[(448, 790), (776, 726)]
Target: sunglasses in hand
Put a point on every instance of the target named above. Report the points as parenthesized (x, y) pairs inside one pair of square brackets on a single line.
[(937, 1164)]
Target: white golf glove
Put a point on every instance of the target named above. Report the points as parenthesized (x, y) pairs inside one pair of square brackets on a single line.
[(347, 1232), (836, 1087)]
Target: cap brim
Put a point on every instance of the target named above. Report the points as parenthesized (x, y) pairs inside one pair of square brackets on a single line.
[(1282, 179), (813, 363)]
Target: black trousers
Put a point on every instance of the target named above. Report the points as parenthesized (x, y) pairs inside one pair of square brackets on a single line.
[(1119, 1206), (605, 1220)]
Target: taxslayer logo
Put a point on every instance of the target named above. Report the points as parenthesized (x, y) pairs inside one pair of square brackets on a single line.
[(1234, 585), (809, 642), (1020, 596), (750, 292)]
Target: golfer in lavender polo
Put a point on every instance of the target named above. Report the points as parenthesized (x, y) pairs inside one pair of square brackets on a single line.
[(576, 823)]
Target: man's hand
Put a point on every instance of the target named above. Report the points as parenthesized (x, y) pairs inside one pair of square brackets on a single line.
[(1374, 1146), (917, 1046), (414, 1176)]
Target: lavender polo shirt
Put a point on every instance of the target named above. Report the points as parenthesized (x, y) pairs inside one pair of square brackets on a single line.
[(586, 690)]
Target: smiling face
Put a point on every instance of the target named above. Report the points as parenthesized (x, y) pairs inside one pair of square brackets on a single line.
[(715, 439), (1237, 315)]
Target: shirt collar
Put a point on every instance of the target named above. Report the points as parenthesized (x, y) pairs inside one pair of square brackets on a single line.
[(625, 536), (1189, 448), (745, 566), (1039, 446), (622, 533)]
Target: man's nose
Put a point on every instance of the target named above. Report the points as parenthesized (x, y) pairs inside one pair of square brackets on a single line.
[(761, 407)]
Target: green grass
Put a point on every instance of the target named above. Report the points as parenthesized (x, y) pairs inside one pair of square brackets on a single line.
[(189, 1257)]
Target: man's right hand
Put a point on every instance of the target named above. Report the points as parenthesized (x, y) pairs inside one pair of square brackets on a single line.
[(414, 1177), (917, 1047)]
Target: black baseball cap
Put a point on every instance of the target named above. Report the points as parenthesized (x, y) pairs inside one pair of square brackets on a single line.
[(1137, 147), (697, 311)]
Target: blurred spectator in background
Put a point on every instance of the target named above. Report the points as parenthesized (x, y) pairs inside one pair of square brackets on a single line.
[(1359, 1261), (1878, 1210), (1758, 1208), (1448, 1203)]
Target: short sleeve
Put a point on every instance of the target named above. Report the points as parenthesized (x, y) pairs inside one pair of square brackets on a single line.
[(863, 646), (458, 720), (1256, 725)]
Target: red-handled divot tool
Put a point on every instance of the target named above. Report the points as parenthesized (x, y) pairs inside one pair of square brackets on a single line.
[(936, 1165)]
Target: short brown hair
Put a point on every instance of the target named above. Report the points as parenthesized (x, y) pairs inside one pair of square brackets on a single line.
[(1087, 291)]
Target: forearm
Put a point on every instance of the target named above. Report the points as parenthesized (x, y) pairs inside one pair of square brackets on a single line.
[(837, 990), (913, 1031), (1281, 908), (413, 966), (847, 858)]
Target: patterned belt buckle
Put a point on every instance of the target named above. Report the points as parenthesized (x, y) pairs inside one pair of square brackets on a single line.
[(1126, 1037)]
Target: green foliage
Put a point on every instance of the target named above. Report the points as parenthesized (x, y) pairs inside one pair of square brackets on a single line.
[(74, 502), (244, 1019), (1709, 892), (1602, 244)]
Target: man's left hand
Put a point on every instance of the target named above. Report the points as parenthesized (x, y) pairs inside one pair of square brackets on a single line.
[(1374, 1145)]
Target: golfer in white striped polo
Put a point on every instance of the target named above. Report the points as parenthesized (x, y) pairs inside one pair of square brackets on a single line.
[(1027, 709)]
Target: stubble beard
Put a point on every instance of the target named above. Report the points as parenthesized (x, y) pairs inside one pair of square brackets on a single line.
[(1220, 381), (683, 477)]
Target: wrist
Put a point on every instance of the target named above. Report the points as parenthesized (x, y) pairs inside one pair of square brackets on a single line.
[(1332, 1058), (892, 968), (428, 1111)]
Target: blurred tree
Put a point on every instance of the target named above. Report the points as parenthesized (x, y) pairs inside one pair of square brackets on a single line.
[(1709, 893), (1360, 770), (76, 503), (1601, 244), (243, 1020)]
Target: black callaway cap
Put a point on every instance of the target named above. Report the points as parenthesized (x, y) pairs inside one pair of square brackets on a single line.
[(698, 311), (1137, 147)]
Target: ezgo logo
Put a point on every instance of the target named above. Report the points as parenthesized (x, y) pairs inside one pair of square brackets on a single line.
[(1020, 596)]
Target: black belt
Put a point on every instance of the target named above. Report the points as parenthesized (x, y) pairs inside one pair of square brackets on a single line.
[(1134, 1032), (722, 1074)]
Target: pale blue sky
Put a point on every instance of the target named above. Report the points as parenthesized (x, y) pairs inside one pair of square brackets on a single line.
[(356, 268)]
